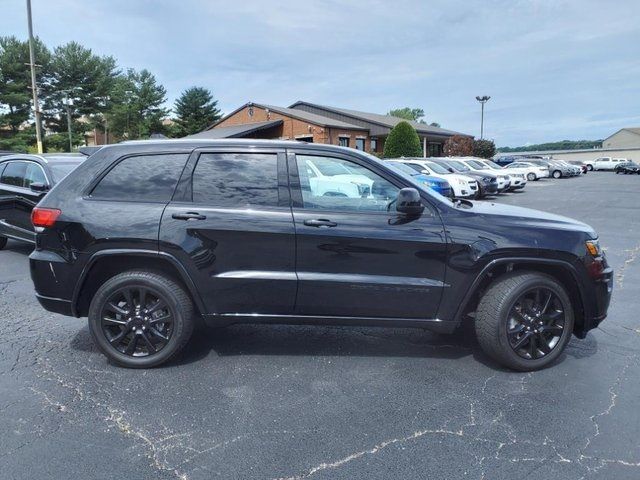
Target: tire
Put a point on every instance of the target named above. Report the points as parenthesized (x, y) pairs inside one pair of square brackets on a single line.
[(556, 174), (177, 329), (3, 242), (590, 167), (493, 320), (531, 177)]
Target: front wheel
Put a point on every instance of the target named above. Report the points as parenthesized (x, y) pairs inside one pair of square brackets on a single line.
[(590, 168), (524, 320), (140, 319), (557, 174), (531, 177), (3, 242)]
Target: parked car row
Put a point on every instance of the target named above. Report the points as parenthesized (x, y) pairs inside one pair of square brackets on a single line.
[(566, 168)]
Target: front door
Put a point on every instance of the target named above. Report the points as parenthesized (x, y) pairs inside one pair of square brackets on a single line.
[(16, 198), (356, 256), (230, 224)]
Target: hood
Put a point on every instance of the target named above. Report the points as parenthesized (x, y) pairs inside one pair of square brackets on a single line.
[(428, 178), (529, 217), (480, 174)]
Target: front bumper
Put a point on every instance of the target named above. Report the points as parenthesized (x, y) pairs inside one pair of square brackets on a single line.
[(596, 296)]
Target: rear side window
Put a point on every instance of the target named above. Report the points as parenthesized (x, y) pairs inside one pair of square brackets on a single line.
[(14, 174), (144, 178), (236, 180)]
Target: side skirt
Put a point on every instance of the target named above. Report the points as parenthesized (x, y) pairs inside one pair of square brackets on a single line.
[(434, 325)]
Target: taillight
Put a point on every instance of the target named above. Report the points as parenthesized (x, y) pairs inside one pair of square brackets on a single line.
[(44, 217)]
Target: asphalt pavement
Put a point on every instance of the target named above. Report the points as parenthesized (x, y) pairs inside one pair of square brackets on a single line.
[(287, 402)]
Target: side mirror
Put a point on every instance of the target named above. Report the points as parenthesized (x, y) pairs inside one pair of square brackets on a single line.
[(409, 202), (39, 187)]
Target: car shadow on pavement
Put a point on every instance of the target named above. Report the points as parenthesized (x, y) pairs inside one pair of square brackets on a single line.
[(22, 248)]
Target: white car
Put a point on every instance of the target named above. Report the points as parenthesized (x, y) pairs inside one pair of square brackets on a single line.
[(505, 182), (531, 171), (604, 163), (462, 186), (519, 176), (336, 180)]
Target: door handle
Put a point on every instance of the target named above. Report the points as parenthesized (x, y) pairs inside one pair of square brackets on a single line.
[(188, 216), (320, 222)]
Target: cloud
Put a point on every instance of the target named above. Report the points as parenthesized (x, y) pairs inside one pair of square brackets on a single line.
[(554, 70)]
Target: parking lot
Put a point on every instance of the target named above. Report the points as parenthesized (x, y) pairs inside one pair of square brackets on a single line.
[(295, 402)]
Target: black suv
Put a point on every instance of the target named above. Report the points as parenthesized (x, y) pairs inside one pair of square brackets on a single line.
[(24, 180), (144, 235)]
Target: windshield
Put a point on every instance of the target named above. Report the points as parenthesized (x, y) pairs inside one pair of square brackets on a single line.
[(401, 167), (493, 165), (61, 170), (461, 167), (438, 168), (477, 164)]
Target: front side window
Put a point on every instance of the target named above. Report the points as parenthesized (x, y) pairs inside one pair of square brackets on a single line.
[(346, 186), (34, 174), (237, 180), (14, 174), (144, 178)]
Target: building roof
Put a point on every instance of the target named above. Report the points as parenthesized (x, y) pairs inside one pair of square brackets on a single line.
[(235, 131), (635, 130), (319, 120), (384, 120)]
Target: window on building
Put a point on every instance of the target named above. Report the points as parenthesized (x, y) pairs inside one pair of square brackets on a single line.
[(330, 183), (14, 174), (343, 141), (360, 144), (236, 180), (147, 178), (435, 149), (374, 144)]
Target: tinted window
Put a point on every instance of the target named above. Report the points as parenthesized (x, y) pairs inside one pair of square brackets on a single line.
[(352, 188), (236, 179), (415, 166), (149, 178), (34, 174), (14, 174)]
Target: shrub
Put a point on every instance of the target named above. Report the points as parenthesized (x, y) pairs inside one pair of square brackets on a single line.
[(403, 141), (484, 148)]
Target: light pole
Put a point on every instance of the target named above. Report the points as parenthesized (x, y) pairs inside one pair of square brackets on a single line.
[(34, 87), (484, 99), (69, 103)]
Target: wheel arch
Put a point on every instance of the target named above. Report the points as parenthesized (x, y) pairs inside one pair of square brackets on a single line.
[(560, 270), (108, 263)]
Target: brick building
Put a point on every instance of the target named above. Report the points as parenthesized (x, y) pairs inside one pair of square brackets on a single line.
[(309, 122)]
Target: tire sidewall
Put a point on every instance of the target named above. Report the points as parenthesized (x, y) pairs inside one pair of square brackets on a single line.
[(501, 335), (95, 324), (3, 242), (557, 174), (531, 177)]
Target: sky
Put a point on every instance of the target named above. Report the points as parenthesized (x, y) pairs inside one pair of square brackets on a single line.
[(554, 69)]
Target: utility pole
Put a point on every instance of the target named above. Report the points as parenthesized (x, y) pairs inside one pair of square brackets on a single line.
[(484, 99), (34, 87)]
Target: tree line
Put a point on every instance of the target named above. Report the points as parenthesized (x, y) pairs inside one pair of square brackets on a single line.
[(94, 92)]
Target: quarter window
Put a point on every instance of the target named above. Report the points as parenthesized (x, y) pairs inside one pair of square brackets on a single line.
[(236, 179), (148, 178), (14, 174), (342, 185)]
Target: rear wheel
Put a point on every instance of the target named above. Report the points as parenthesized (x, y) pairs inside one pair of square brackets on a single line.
[(524, 320), (140, 319), (531, 177), (557, 174), (3, 242), (590, 167)]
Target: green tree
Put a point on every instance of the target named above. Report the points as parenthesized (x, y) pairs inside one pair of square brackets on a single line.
[(407, 113), (484, 148), (15, 84), (195, 110), (136, 106), (458, 146), (81, 76), (403, 141)]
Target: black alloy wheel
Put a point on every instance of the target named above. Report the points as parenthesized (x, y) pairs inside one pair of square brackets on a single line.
[(137, 321), (536, 323), (141, 319)]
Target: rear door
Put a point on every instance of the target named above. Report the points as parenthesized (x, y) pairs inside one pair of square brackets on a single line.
[(354, 257), (16, 201), (230, 224)]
